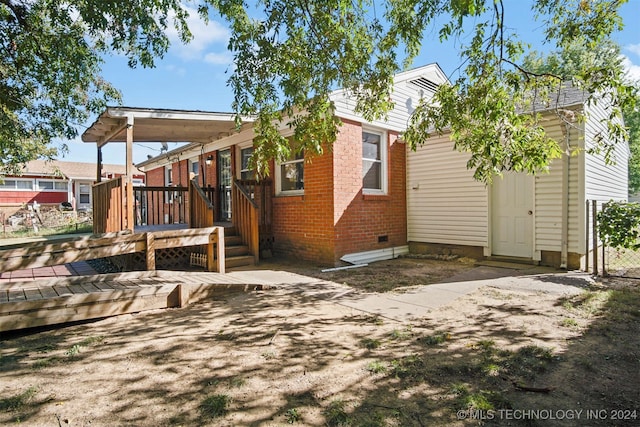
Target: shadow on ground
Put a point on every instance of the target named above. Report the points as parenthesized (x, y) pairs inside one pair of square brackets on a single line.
[(284, 356)]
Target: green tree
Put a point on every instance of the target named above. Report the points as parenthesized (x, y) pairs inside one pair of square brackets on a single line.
[(567, 64), (291, 54), (50, 64), (632, 121)]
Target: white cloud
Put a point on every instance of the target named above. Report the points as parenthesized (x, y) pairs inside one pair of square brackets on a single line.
[(204, 34), (223, 58), (632, 70), (633, 48), (176, 70)]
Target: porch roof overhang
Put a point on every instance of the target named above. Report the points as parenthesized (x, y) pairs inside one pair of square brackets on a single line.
[(160, 125)]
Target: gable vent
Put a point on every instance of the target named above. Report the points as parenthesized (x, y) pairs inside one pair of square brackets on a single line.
[(425, 84)]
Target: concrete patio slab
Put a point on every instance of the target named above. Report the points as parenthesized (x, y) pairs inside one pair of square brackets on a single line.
[(415, 302)]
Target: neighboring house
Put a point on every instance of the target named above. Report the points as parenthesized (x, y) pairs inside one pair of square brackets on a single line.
[(350, 200), (53, 183), (540, 218)]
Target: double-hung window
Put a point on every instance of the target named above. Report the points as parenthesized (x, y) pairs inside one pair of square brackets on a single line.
[(84, 193), (374, 162), (168, 176), (194, 166), (291, 175), (246, 173), (168, 181)]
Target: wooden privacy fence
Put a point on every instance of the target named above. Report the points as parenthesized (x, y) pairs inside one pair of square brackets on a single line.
[(108, 206), (42, 254)]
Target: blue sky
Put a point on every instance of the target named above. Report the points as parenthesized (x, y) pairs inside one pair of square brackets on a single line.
[(193, 76)]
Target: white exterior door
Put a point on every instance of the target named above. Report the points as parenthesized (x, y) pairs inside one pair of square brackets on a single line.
[(512, 215)]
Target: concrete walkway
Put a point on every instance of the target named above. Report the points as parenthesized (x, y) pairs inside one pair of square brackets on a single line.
[(403, 306), (417, 301)]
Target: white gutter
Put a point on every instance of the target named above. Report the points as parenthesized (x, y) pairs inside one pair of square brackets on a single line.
[(375, 255)]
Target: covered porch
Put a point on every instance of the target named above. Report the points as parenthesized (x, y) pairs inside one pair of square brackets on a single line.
[(198, 186)]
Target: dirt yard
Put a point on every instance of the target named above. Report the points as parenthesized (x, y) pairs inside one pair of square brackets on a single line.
[(281, 357)]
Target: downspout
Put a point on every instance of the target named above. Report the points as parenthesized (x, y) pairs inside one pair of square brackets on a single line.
[(70, 193), (566, 164)]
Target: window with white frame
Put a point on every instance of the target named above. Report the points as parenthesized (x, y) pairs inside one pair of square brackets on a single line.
[(84, 193), (374, 162), (168, 180), (17, 185), (52, 185), (194, 166), (245, 172), (291, 175), (167, 176)]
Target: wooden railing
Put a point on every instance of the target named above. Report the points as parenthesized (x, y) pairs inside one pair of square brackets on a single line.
[(160, 205), (201, 210), (108, 206), (46, 253), (261, 194), (245, 219)]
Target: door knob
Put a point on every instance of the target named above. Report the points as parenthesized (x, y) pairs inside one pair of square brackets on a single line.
[(530, 212)]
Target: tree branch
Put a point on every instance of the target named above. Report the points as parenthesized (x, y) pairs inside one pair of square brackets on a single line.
[(530, 74), (19, 12), (500, 17)]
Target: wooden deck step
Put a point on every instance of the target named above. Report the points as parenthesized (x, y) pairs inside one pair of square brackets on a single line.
[(232, 240), (237, 250), (54, 301), (239, 261)]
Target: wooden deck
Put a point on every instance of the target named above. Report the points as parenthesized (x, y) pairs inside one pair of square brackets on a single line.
[(48, 253), (61, 300)]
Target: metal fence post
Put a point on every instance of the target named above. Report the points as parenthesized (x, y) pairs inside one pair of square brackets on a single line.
[(594, 214), (604, 247), (586, 235)]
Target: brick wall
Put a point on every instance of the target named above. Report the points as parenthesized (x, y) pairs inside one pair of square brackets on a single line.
[(211, 170), (155, 178), (155, 208), (180, 173), (303, 225), (333, 217), (361, 219)]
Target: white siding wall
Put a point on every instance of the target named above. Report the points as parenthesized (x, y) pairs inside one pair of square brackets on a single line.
[(549, 198), (448, 206), (405, 96), (604, 182)]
